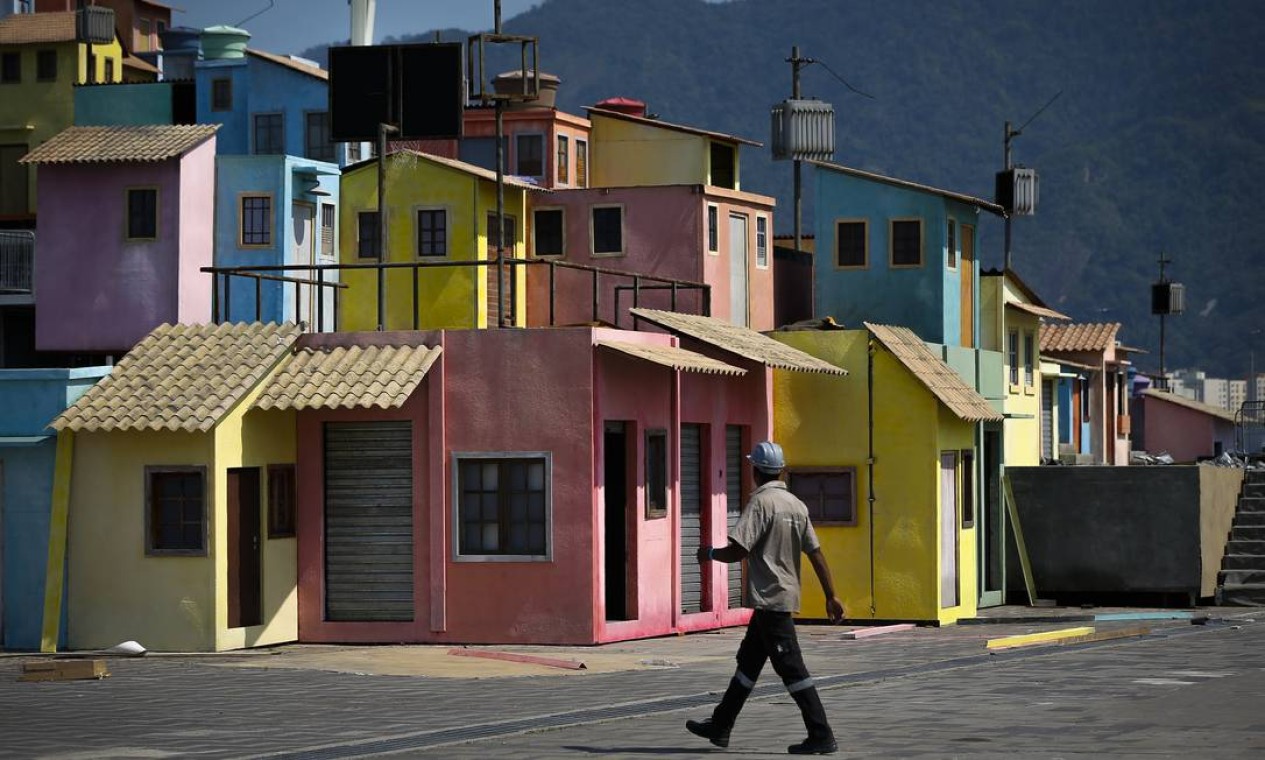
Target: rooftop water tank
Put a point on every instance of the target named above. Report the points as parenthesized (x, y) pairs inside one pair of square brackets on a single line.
[(511, 83), (181, 39), (222, 43), (627, 106)]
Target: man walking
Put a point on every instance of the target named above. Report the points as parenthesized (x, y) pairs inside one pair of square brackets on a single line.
[(772, 531)]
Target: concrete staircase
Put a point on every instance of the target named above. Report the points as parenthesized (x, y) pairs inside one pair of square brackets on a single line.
[(1242, 577)]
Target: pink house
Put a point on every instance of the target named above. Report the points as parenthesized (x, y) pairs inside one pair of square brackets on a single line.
[(125, 222), (1184, 428), (530, 486), (1094, 349)]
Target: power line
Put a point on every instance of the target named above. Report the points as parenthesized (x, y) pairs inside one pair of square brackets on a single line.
[(825, 66)]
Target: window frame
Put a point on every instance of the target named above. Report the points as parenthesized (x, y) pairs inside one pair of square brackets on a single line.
[(376, 237), (1029, 358), (457, 458), (539, 137), (42, 59), (488, 220), (562, 159), (418, 210), (623, 231), (307, 136), (218, 103), (966, 487), (653, 509), (330, 210), (761, 241), (127, 214), (581, 165), (891, 241), (952, 242), (535, 249), (1013, 357), (11, 67), (865, 242), (850, 471), (713, 229), (281, 133), (270, 222), (282, 517), (108, 74), (149, 527)]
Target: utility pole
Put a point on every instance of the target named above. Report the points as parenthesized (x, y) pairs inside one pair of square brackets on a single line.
[(500, 187), (797, 63), (383, 131), (1010, 134), (1164, 260)]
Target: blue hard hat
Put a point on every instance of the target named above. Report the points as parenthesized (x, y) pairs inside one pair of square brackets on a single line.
[(767, 457)]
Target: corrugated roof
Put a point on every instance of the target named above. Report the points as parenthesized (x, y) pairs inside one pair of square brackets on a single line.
[(149, 142), (595, 111), (351, 377), (1082, 337), (1040, 311), (979, 203), (673, 357), (290, 63), (739, 340), (931, 371), (1189, 403), (181, 377), (23, 28), (452, 163)]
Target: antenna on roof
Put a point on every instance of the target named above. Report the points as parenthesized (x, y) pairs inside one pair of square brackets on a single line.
[(256, 13)]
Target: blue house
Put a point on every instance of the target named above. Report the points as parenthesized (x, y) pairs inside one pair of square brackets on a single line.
[(29, 400)]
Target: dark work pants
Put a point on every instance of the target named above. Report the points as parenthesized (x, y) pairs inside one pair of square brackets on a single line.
[(771, 636)]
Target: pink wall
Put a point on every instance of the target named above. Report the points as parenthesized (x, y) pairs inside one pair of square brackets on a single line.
[(1184, 433), (197, 233)]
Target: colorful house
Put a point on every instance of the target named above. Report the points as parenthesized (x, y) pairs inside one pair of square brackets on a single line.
[(440, 212), (100, 288), (140, 22), (29, 398), (41, 61), (888, 463), (1185, 429), (181, 496), (1102, 404)]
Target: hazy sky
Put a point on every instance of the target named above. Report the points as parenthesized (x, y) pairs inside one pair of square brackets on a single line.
[(291, 26)]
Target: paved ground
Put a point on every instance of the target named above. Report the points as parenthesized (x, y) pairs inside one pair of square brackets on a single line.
[(1183, 690)]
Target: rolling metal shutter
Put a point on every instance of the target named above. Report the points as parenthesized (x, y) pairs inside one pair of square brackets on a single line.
[(733, 504), (1047, 419), (368, 521), (691, 517)]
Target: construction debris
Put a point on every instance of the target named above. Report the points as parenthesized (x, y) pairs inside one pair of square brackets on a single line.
[(64, 670)]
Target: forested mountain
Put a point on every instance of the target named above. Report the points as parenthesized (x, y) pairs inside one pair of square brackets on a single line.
[(1155, 144)]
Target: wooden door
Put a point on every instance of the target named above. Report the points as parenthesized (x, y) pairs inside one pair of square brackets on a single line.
[(244, 565), (966, 268)]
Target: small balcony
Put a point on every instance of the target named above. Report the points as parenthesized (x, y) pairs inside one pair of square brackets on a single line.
[(17, 262)]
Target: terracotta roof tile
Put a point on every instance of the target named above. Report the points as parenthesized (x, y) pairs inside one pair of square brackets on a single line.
[(352, 377), (1190, 403), (739, 340), (674, 357), (151, 142), (939, 378), (181, 377), (23, 28), (1082, 337)]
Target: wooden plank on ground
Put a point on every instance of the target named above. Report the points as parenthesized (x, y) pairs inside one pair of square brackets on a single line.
[(64, 670), (865, 633), (1012, 509), (529, 659), (1044, 637)]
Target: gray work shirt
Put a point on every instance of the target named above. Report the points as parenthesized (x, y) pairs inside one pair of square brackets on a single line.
[(774, 529)]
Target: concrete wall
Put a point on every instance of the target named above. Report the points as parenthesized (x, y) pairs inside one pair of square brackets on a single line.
[(1123, 529)]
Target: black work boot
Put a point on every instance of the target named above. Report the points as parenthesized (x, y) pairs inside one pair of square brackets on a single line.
[(824, 745), (709, 730), (821, 740)]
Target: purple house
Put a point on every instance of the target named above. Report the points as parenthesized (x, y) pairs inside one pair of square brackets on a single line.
[(126, 219)]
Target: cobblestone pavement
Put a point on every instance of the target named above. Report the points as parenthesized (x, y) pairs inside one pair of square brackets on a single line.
[(924, 693)]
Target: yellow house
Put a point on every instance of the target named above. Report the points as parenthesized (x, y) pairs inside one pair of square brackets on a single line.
[(439, 212), (887, 461), (41, 60), (1010, 322), (656, 152), (182, 497)]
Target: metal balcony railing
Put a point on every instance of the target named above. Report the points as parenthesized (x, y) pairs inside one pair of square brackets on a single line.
[(17, 260)]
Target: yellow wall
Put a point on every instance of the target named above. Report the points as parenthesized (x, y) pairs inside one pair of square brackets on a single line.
[(113, 53), (822, 420), (1022, 405), (115, 592), (625, 154), (448, 297), (957, 435)]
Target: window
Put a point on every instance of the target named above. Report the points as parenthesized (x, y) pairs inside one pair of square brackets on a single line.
[(906, 235), (1029, 358), (548, 238), (724, 170), (608, 230), (160, 26), (368, 235), (109, 70), (762, 242), (1012, 353), (221, 94), (175, 507), (951, 245), (328, 213), (353, 152), (968, 488), (656, 473), (852, 244), (432, 232), (564, 160), (256, 220), (511, 233), (46, 66), (142, 213), (144, 31), (269, 137), (10, 68), (316, 136), (713, 229), (531, 155), (581, 163), (281, 500), (502, 505), (829, 493)]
